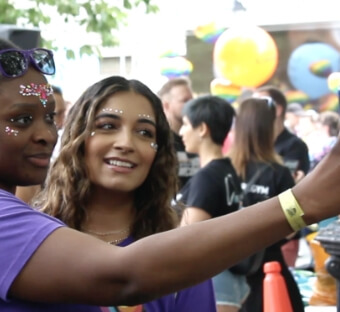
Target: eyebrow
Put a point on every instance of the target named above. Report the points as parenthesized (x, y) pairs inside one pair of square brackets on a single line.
[(25, 105), (117, 117)]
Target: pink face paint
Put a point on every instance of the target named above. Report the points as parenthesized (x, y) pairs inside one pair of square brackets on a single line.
[(43, 91), (10, 131)]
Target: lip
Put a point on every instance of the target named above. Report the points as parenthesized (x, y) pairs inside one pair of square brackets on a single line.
[(41, 160)]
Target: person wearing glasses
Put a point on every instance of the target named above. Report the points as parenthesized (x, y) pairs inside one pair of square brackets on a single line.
[(253, 155), (47, 266)]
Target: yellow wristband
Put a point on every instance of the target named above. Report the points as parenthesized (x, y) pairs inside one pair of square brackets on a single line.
[(292, 210)]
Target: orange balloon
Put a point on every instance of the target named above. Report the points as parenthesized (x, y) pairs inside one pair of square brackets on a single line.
[(247, 56)]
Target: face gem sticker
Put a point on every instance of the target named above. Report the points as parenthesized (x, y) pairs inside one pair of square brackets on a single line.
[(43, 91), (10, 131)]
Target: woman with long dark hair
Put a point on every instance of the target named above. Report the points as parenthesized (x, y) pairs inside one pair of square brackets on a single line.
[(253, 155)]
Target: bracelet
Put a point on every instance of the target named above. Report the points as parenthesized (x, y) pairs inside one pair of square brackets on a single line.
[(292, 210)]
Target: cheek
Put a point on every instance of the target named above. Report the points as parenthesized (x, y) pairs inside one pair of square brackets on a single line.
[(91, 149), (149, 155)]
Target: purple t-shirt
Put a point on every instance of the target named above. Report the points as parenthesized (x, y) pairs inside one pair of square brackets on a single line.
[(22, 230), (198, 298)]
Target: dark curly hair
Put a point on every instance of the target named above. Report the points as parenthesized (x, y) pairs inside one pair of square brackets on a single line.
[(67, 187)]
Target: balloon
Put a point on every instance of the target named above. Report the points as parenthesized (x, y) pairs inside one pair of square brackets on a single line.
[(169, 53), (209, 32), (296, 96), (334, 82), (172, 67), (247, 56), (322, 68), (331, 103), (302, 59), (224, 89)]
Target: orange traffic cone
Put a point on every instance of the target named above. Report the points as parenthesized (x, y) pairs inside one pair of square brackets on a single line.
[(275, 294)]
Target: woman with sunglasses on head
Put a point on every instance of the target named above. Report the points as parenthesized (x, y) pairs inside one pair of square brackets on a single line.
[(122, 178), (264, 176), (46, 266)]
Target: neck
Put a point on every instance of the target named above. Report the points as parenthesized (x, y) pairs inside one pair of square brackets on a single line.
[(208, 152), (109, 217)]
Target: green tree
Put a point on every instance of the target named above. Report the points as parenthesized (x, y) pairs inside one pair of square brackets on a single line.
[(101, 17)]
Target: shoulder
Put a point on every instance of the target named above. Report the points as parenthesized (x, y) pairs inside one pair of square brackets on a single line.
[(288, 139), (22, 230)]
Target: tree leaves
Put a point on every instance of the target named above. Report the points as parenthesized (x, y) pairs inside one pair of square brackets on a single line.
[(101, 17)]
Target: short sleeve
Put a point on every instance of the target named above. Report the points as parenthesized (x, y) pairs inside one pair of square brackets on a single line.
[(22, 230)]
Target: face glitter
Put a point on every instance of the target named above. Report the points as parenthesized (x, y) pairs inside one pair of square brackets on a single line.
[(10, 131), (154, 146), (144, 116), (117, 111), (43, 91)]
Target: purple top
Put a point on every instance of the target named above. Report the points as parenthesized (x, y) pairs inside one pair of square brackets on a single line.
[(198, 298), (22, 230)]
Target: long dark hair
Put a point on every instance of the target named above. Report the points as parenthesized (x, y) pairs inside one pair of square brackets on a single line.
[(67, 185), (254, 134)]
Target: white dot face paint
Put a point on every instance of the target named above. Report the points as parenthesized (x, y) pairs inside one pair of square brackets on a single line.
[(10, 131), (117, 111), (93, 133), (144, 116), (154, 146)]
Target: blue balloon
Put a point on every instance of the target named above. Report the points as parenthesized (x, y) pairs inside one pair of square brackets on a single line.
[(299, 73)]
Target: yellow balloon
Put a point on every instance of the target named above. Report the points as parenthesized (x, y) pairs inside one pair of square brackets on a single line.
[(247, 56)]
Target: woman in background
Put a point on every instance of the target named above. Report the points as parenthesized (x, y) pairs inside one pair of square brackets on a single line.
[(253, 153)]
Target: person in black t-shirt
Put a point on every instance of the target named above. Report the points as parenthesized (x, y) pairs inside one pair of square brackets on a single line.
[(174, 94), (253, 152), (215, 189), (294, 152)]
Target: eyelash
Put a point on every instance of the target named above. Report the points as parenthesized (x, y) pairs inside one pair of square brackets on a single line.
[(111, 126), (27, 119)]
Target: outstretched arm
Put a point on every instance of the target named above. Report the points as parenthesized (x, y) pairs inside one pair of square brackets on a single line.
[(72, 267)]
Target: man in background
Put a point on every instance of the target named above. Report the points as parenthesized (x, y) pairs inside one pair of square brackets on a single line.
[(174, 94), (60, 107)]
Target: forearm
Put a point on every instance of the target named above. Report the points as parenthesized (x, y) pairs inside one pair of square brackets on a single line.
[(73, 267), (191, 254)]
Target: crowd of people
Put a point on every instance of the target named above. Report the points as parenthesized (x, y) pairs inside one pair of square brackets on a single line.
[(148, 172)]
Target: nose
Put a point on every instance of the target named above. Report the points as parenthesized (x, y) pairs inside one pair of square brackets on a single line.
[(180, 131), (45, 133), (123, 140)]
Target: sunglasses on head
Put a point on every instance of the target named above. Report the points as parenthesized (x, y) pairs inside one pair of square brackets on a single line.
[(268, 99), (15, 63)]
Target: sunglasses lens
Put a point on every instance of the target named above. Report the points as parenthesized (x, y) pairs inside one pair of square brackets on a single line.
[(13, 63), (43, 59)]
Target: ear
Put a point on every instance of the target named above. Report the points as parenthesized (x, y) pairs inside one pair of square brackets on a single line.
[(165, 105), (279, 111), (204, 130)]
